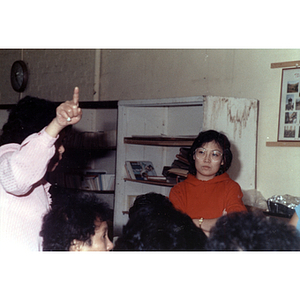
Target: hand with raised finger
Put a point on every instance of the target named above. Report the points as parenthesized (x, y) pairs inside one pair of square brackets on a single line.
[(69, 112)]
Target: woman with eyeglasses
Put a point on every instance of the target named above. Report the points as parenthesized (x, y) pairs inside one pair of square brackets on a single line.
[(208, 192)]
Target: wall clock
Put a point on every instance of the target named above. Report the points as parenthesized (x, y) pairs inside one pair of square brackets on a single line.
[(19, 76)]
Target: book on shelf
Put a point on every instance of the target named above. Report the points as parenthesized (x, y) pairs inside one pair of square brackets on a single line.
[(89, 182), (101, 181), (184, 151), (175, 177), (108, 182), (142, 170), (180, 166), (183, 155), (157, 178), (96, 178), (178, 171), (180, 162)]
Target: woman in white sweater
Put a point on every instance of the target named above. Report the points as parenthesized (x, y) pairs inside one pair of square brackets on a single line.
[(30, 139)]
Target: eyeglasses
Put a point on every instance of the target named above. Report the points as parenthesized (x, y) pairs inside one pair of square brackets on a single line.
[(214, 155)]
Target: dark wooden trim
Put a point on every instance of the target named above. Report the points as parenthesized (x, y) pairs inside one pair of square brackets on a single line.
[(99, 104), (6, 106), (163, 141), (83, 104)]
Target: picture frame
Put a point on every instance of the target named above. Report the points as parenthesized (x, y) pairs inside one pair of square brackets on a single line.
[(289, 110)]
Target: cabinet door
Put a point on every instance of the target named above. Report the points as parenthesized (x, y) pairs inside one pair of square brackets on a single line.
[(237, 118)]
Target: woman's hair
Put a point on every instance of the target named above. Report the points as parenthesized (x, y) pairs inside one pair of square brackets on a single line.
[(154, 224), (30, 115), (206, 137), (73, 219)]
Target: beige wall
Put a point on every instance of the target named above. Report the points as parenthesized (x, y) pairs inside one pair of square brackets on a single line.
[(142, 74), (53, 73)]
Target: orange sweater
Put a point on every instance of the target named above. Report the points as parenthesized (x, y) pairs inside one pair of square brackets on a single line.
[(207, 199)]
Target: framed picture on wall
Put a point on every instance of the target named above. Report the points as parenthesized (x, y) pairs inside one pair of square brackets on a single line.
[(289, 111)]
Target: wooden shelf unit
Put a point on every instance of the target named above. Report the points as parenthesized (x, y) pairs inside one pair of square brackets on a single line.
[(151, 130)]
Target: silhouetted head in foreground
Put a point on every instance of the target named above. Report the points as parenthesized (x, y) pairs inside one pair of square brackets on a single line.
[(154, 224), (251, 231), (30, 115)]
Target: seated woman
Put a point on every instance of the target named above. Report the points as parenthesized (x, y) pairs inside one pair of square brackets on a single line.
[(208, 192), (79, 224), (154, 224)]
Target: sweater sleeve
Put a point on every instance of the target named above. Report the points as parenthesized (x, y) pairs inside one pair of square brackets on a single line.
[(21, 166), (234, 201)]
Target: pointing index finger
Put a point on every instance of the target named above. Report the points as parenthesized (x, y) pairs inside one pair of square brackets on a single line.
[(76, 96)]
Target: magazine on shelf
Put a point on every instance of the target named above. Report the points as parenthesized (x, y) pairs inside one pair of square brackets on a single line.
[(140, 170)]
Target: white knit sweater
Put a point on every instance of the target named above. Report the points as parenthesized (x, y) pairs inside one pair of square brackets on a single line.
[(24, 197)]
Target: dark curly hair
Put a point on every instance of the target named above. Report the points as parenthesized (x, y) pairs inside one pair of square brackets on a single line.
[(28, 116), (154, 224), (73, 219), (206, 137), (252, 231)]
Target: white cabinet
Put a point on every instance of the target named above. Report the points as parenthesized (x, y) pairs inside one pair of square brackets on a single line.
[(178, 118), (237, 118)]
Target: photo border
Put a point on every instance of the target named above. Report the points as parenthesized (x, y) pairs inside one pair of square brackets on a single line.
[(289, 109)]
